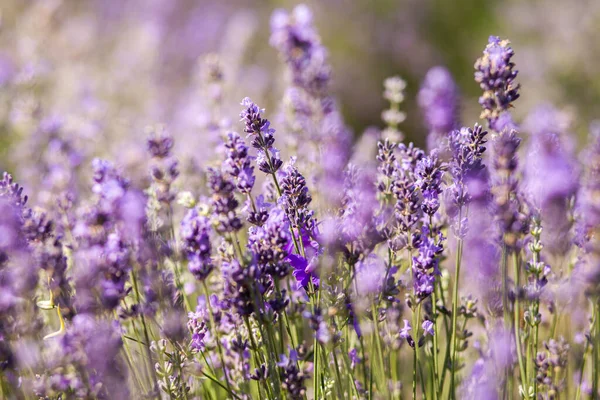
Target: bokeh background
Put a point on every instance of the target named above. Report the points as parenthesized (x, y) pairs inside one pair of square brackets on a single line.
[(105, 69)]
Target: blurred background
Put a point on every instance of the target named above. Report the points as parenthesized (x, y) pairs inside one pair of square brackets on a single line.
[(105, 69)]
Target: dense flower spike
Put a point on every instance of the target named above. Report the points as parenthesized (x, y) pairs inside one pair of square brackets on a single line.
[(496, 75), (508, 199), (467, 146), (223, 202), (260, 130), (178, 273), (195, 233), (238, 163)]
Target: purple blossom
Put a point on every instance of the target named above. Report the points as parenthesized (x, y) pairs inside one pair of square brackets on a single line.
[(238, 163), (271, 244), (405, 333), (428, 327), (425, 264), (438, 99), (223, 202), (508, 200), (297, 41), (495, 73), (195, 233), (550, 178)]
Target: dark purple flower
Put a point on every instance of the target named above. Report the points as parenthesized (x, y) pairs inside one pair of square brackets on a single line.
[(271, 244), (163, 167), (238, 162), (425, 264), (292, 377), (223, 202), (195, 233), (429, 173)]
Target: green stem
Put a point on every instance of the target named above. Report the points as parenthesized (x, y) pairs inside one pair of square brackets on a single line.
[(582, 371), (382, 374), (214, 327), (454, 338), (516, 322), (145, 329), (316, 368)]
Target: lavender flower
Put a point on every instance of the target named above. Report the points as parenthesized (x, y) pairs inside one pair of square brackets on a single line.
[(295, 199), (428, 327), (550, 178), (467, 147), (271, 244), (296, 39), (238, 163), (438, 99), (262, 137), (405, 333), (291, 376), (429, 173), (163, 170), (425, 265), (509, 207), (223, 202), (394, 93), (496, 75), (195, 233)]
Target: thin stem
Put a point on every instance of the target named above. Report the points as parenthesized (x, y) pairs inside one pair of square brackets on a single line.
[(382, 374), (455, 317), (595, 350), (214, 327), (516, 322), (145, 328), (582, 371)]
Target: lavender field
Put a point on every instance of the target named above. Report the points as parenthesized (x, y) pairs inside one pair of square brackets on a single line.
[(186, 220)]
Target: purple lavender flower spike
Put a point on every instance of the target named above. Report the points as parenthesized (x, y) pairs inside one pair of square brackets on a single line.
[(550, 177), (425, 264), (438, 99), (292, 376), (296, 39), (238, 163), (467, 146), (508, 200), (429, 173), (495, 73), (195, 233), (223, 202), (271, 244)]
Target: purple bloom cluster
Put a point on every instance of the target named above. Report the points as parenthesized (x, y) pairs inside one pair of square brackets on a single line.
[(195, 233), (496, 75)]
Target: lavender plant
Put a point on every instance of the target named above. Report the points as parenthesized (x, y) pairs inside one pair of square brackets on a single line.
[(279, 269)]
